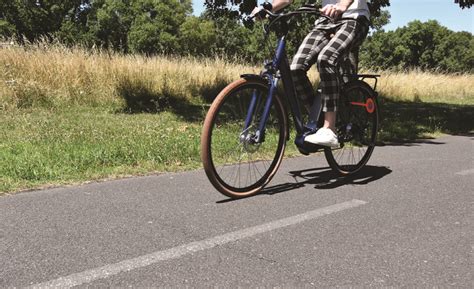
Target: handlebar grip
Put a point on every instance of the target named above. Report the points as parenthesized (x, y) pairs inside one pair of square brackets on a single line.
[(261, 14), (267, 6)]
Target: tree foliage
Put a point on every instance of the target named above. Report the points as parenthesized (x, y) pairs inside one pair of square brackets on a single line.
[(32, 19), (197, 36), (109, 23), (464, 3), (425, 45), (156, 25)]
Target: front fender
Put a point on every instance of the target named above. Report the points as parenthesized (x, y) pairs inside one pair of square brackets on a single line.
[(256, 77)]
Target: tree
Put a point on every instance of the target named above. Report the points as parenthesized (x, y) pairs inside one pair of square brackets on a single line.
[(464, 3), (425, 45), (197, 36), (156, 23), (33, 19), (455, 52), (75, 29), (379, 22), (109, 22), (231, 37), (7, 30)]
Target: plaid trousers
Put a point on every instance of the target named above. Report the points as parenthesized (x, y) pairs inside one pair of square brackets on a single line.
[(319, 47)]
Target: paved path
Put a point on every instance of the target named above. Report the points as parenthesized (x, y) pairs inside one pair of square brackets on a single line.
[(406, 220)]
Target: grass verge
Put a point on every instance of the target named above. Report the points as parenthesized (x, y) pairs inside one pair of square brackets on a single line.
[(43, 147)]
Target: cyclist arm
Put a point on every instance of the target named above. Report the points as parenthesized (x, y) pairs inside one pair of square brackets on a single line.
[(345, 4), (280, 4), (277, 5)]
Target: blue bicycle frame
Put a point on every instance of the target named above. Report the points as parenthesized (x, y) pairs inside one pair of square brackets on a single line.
[(278, 68)]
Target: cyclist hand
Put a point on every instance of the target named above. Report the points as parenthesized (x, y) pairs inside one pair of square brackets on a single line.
[(256, 13), (333, 11)]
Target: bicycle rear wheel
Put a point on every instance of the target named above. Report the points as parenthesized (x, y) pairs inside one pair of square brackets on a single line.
[(356, 126), (235, 163)]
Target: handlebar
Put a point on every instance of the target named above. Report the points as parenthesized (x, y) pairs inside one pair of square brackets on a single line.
[(267, 11), (276, 17)]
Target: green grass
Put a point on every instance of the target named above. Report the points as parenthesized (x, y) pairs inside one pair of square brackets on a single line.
[(404, 121), (41, 147), (48, 147)]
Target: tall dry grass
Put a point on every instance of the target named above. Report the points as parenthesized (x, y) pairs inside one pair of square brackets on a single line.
[(422, 86), (56, 76), (53, 76)]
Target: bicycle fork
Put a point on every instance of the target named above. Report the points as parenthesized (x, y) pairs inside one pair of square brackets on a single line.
[(253, 106)]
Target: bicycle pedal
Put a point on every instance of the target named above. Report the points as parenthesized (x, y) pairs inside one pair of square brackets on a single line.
[(302, 151)]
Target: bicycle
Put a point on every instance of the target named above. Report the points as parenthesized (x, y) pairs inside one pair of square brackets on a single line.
[(247, 127)]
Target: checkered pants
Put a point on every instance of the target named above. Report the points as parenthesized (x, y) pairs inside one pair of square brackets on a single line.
[(318, 47)]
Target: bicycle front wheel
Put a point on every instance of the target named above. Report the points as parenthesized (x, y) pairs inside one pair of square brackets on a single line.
[(237, 161), (356, 125)]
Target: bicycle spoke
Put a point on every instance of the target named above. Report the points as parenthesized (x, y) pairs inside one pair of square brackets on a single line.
[(356, 128), (241, 164)]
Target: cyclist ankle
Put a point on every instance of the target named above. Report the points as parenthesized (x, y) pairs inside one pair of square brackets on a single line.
[(333, 128)]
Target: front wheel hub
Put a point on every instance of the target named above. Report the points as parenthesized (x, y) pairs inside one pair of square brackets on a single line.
[(249, 142)]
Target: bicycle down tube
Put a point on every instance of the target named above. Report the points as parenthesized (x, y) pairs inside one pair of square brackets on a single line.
[(280, 63)]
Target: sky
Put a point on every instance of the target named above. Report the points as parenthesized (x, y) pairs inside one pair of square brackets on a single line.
[(445, 12)]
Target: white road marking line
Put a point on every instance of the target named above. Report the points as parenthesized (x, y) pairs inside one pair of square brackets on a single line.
[(176, 252), (466, 172)]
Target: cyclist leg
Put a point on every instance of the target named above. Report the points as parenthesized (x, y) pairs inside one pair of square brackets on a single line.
[(304, 58), (349, 33)]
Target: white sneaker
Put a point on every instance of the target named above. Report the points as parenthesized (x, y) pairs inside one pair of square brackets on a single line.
[(324, 137)]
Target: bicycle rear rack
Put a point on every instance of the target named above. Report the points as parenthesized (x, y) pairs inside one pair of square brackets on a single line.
[(373, 76)]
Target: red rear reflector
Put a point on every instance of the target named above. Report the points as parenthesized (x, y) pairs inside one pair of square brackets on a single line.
[(369, 105)]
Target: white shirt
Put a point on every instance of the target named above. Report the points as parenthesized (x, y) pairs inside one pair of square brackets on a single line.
[(356, 9)]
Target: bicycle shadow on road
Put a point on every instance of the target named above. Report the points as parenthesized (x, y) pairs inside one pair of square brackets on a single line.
[(325, 178)]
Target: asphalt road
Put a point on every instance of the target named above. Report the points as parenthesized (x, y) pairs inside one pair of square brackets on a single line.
[(405, 220)]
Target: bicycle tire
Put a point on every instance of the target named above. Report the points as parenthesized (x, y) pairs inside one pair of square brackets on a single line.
[(356, 126), (225, 146)]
